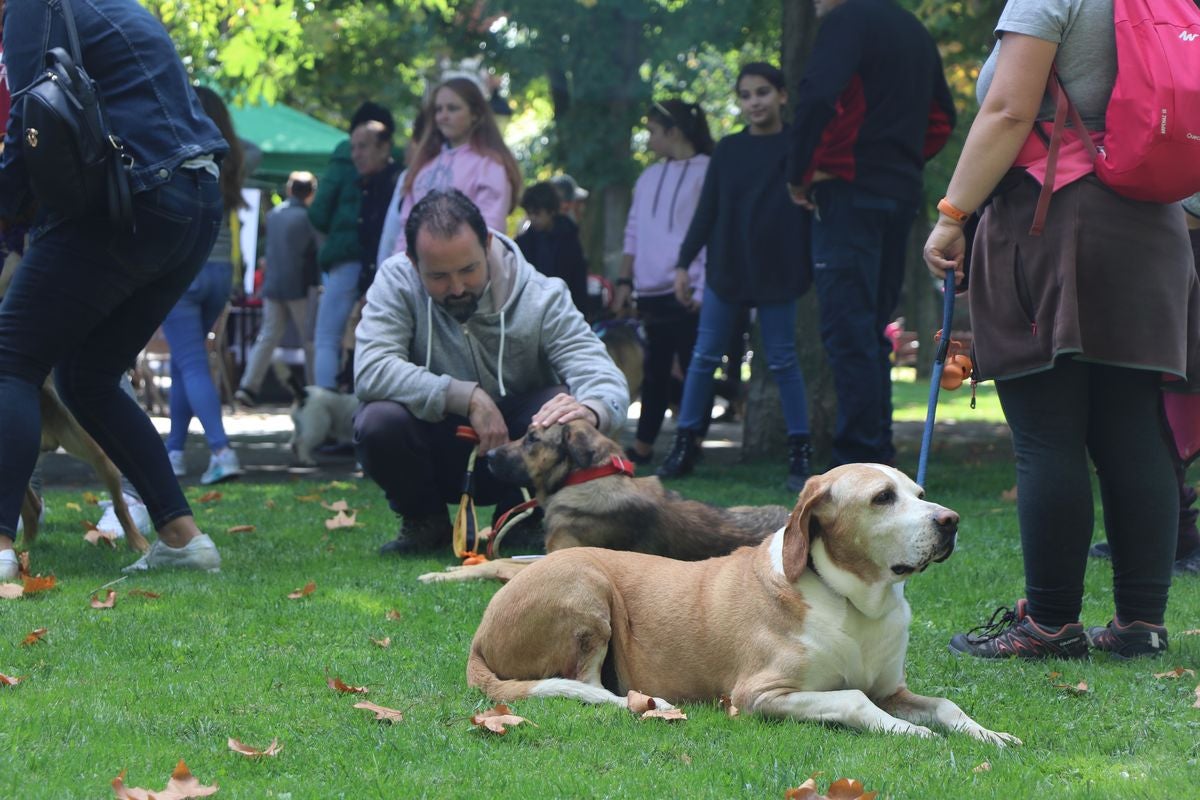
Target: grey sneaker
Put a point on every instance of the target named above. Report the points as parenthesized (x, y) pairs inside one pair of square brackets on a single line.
[(9, 568), (200, 553), (178, 465), (221, 467)]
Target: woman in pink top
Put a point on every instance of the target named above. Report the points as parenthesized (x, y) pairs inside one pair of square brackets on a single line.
[(462, 150), (664, 201)]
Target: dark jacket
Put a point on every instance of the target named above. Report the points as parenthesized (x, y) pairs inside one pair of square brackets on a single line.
[(873, 105), (291, 252), (334, 211), (558, 254), (758, 239), (143, 84)]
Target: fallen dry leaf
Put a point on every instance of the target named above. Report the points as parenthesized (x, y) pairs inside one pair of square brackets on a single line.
[(495, 719), (338, 686), (341, 520), (74, 506), (1009, 495), (986, 766), (209, 497), (1178, 672), (639, 703), (11, 591), (341, 486), (1078, 689), (5, 680), (38, 583), (95, 537), (144, 593), (34, 636), (384, 642), (253, 752), (108, 602), (393, 615), (382, 714), (240, 529), (727, 706), (303, 591), (842, 789), (308, 498), (91, 499), (23, 563), (337, 505), (667, 714), (182, 786), (270, 504)]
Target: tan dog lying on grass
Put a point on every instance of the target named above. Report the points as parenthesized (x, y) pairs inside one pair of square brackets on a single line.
[(61, 429), (614, 511), (810, 625)]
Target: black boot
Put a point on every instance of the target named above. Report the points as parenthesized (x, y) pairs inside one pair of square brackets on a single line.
[(420, 535), (685, 452), (799, 462)]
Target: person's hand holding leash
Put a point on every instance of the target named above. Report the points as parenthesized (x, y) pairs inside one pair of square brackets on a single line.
[(945, 249), (487, 421), (563, 408)]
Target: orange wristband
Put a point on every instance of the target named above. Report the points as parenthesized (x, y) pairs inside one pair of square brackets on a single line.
[(951, 211)]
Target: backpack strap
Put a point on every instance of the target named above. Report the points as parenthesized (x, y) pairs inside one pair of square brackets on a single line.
[(1063, 108), (72, 33)]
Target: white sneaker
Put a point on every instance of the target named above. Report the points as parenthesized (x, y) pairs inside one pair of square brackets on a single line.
[(178, 466), (137, 511), (221, 467), (9, 569), (200, 553)]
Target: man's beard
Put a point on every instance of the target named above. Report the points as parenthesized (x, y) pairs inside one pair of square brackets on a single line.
[(461, 308)]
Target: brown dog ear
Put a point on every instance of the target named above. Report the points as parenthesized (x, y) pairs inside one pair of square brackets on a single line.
[(579, 443), (801, 526)]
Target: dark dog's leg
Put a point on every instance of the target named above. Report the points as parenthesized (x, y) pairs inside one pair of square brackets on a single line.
[(31, 509)]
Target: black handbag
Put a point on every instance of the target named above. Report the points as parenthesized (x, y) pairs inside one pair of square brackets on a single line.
[(77, 166)]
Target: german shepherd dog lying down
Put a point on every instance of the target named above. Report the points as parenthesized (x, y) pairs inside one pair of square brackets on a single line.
[(614, 511)]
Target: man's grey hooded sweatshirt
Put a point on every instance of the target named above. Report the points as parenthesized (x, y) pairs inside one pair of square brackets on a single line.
[(411, 351)]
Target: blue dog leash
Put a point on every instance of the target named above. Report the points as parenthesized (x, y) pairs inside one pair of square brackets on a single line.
[(935, 381)]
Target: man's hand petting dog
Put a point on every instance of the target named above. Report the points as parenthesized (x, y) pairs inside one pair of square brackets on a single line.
[(487, 421), (563, 408)]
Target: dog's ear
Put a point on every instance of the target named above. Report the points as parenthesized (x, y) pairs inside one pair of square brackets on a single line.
[(802, 526), (579, 444)]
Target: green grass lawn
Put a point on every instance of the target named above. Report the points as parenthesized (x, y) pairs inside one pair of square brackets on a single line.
[(149, 682)]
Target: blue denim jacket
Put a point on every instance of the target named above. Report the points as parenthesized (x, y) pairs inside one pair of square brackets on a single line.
[(127, 52)]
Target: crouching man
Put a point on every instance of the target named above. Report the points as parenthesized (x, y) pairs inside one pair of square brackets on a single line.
[(461, 330)]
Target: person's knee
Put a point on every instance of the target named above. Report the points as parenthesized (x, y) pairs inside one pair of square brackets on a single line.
[(383, 432)]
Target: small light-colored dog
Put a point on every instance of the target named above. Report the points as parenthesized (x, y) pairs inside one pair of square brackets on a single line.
[(810, 625), (319, 415)]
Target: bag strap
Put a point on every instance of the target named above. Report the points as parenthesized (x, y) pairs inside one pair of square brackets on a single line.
[(72, 33), (1063, 108)]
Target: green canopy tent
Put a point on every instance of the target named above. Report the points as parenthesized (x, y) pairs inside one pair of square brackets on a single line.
[(290, 140)]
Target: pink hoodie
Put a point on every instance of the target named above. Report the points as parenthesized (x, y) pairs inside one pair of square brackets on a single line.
[(479, 177), (664, 200)]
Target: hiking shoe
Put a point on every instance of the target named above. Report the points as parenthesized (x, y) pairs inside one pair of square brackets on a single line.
[(1013, 633), (10, 569), (200, 553), (637, 458), (245, 397), (1130, 640), (686, 451), (178, 465), (799, 462), (420, 535), (221, 467), (137, 512)]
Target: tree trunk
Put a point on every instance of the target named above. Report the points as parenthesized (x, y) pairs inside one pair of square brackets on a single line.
[(764, 433)]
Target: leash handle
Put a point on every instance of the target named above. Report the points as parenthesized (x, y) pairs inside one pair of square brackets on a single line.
[(935, 380)]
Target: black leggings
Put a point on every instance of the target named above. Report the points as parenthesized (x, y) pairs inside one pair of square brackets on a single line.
[(1059, 418)]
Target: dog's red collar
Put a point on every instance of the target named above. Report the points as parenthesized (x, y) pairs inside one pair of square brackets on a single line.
[(615, 466)]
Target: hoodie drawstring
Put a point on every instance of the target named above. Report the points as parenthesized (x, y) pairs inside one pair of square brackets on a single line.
[(500, 358), (658, 190), (428, 331)]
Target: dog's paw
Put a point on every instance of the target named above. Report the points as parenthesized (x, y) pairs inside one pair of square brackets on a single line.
[(997, 738)]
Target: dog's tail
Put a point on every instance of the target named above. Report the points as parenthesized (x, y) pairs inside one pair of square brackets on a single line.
[(480, 676)]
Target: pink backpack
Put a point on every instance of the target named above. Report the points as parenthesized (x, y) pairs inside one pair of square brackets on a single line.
[(1151, 147)]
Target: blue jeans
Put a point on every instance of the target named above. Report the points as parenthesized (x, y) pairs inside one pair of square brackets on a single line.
[(84, 302), (186, 329), (859, 243), (337, 301), (777, 322)]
